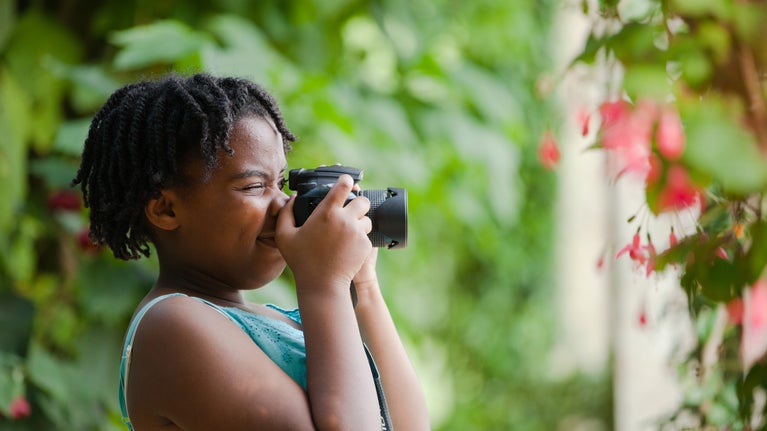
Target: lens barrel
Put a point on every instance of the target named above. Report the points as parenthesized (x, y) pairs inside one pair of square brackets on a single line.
[(388, 212)]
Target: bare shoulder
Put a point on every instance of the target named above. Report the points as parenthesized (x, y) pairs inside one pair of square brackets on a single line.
[(192, 367)]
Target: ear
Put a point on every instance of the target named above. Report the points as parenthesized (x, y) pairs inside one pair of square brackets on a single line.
[(159, 211)]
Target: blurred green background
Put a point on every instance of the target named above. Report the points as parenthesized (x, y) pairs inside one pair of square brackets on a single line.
[(436, 96)]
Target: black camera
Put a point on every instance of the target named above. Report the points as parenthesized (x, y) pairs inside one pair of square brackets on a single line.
[(388, 208)]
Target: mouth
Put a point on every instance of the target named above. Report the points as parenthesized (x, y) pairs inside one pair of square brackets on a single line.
[(268, 240)]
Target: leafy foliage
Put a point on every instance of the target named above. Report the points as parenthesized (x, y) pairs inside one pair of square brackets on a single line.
[(703, 64), (435, 96)]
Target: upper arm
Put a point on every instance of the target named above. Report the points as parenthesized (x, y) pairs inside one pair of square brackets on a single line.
[(196, 368)]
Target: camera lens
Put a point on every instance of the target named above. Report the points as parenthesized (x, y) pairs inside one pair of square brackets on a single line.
[(388, 212)]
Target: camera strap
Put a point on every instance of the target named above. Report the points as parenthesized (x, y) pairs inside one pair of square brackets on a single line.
[(386, 424)]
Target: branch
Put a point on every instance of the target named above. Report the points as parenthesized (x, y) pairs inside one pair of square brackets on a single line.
[(754, 95)]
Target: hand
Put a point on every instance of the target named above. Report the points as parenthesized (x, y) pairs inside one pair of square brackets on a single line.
[(367, 277), (332, 245)]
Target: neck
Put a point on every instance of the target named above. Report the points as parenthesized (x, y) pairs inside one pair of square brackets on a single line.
[(197, 284)]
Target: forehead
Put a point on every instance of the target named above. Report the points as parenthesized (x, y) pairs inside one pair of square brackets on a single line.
[(257, 145)]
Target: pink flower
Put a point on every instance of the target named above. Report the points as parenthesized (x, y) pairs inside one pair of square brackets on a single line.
[(85, 243), (722, 253), (582, 117), (672, 240), (612, 112), (63, 200), (548, 151), (656, 169), (670, 135), (679, 191), (643, 317), (652, 254), (627, 135), (20, 408), (735, 310), (635, 250), (754, 338)]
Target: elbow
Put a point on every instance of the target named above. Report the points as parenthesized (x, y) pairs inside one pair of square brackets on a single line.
[(345, 419)]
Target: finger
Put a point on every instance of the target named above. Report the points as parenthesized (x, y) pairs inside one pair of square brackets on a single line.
[(339, 192), (359, 205), (367, 224)]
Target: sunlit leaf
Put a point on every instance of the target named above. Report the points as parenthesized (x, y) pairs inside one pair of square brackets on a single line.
[(722, 148), (163, 42), (646, 80)]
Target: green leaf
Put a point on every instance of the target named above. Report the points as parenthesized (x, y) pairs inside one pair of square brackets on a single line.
[(14, 121), (718, 8), (36, 38), (754, 262), (109, 290), (635, 42), (50, 373), (7, 21), (16, 317), (720, 147), (71, 136), (11, 381), (162, 42), (244, 50), (56, 171), (718, 280), (92, 85), (646, 80)]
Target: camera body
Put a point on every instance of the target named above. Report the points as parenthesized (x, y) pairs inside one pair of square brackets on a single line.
[(388, 208)]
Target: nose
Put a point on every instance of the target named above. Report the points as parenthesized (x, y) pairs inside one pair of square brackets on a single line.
[(278, 201)]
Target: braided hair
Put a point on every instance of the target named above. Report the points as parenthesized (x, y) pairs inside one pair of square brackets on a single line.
[(139, 141)]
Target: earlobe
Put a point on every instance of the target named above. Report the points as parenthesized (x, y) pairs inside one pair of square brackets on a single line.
[(159, 212)]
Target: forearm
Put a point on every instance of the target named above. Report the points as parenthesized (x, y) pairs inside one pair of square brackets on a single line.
[(404, 395), (339, 382)]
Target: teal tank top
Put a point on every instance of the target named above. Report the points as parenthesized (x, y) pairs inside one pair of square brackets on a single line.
[(281, 342)]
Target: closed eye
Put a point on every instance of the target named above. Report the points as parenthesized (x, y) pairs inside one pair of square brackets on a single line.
[(252, 187)]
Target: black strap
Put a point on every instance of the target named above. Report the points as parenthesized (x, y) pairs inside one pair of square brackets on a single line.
[(386, 424)]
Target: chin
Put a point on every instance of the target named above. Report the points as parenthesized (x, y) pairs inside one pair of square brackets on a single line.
[(267, 275)]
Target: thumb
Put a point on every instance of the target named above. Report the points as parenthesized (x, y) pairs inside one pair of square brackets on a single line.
[(339, 192), (285, 219)]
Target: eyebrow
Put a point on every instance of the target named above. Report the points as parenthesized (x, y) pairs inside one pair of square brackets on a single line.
[(255, 173)]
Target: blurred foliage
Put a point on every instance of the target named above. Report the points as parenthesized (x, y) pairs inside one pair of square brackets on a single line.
[(435, 96), (706, 62)]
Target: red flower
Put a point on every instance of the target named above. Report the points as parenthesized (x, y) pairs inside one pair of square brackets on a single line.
[(612, 112), (679, 191), (20, 408), (548, 151), (754, 335), (670, 134), (652, 254), (735, 310), (63, 200), (722, 253), (635, 250), (85, 243), (627, 135), (582, 117), (643, 318), (656, 169)]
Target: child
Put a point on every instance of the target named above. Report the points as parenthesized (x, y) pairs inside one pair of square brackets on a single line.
[(197, 167)]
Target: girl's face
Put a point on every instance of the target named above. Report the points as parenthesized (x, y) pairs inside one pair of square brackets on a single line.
[(226, 223)]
